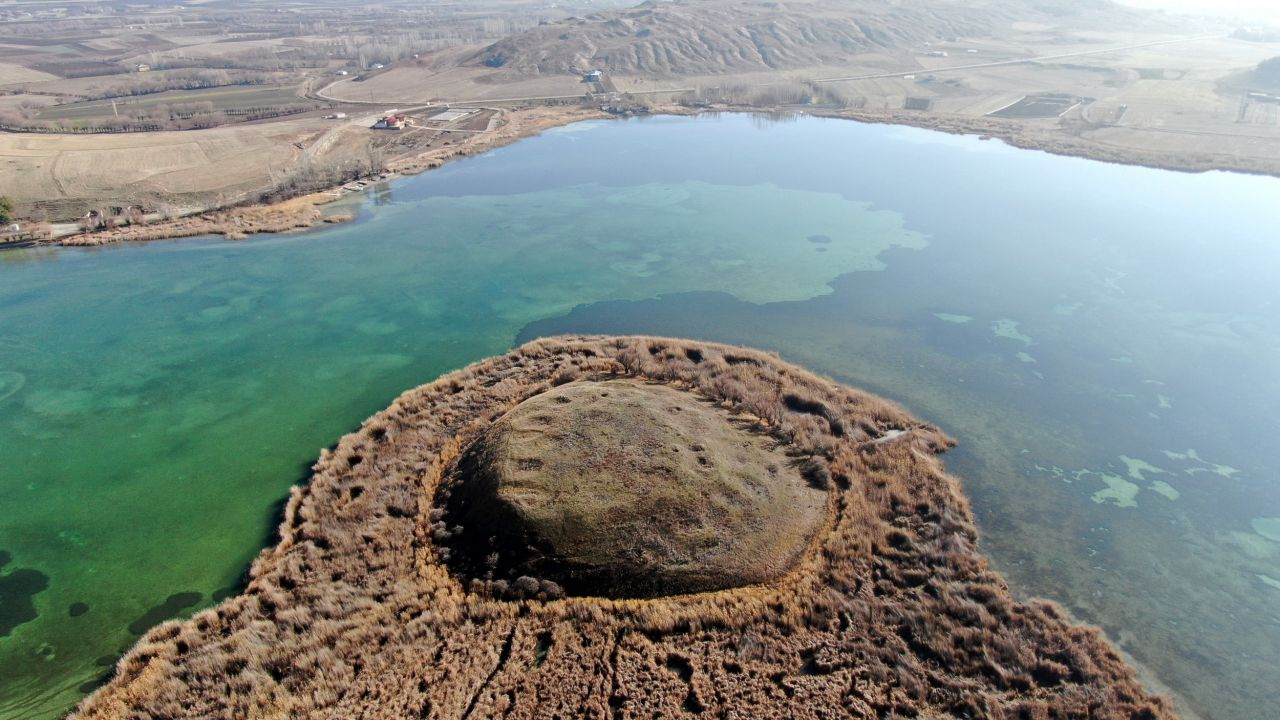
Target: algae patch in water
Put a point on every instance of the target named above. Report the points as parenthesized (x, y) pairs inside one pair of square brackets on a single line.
[(1008, 329), (755, 242), (1267, 527), (1200, 465), (10, 383), (1118, 491), (18, 589)]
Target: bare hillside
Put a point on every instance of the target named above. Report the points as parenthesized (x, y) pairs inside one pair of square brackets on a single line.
[(698, 37)]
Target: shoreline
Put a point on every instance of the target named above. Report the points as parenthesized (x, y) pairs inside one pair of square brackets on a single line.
[(303, 212), (360, 577), (1028, 137)]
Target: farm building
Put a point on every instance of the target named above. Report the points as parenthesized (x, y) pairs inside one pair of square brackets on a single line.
[(593, 76), (396, 121)]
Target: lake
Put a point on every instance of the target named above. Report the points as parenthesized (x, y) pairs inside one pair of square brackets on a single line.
[(1104, 342)]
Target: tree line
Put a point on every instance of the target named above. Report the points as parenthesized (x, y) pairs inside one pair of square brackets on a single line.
[(180, 116)]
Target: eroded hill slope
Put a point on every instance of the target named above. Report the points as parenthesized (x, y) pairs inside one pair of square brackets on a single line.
[(692, 37)]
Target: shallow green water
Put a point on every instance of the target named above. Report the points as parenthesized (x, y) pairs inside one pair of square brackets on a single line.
[(1103, 340)]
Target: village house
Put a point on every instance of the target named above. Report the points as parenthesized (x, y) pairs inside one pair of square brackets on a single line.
[(396, 121)]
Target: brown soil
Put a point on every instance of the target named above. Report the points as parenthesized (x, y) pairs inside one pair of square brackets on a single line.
[(890, 612), (624, 489)]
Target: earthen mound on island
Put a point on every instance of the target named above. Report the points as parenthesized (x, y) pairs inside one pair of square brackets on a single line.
[(628, 527), (621, 488)]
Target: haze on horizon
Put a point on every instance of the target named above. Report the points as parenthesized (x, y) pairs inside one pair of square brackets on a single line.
[(1254, 10)]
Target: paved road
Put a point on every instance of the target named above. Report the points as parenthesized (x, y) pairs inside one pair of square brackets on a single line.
[(323, 95)]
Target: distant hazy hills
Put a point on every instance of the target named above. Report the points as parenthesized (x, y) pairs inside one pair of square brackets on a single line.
[(1268, 73), (688, 37)]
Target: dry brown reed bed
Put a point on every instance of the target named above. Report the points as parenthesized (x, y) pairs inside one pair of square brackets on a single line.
[(235, 223), (891, 612)]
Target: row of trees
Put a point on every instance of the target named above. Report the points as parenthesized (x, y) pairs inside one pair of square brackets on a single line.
[(163, 116), (6, 209), (104, 219), (187, 79), (791, 93), (311, 176)]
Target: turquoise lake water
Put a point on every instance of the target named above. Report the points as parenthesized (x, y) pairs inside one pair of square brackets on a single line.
[(1104, 341)]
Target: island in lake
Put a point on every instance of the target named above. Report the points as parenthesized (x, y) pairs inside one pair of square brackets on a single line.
[(628, 527)]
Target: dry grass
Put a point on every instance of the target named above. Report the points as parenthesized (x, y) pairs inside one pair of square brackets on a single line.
[(196, 167), (626, 489), (236, 223), (891, 612), (11, 74)]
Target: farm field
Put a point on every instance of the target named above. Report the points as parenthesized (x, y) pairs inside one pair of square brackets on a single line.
[(231, 82), (12, 74), (177, 168), (220, 98), (1151, 89)]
